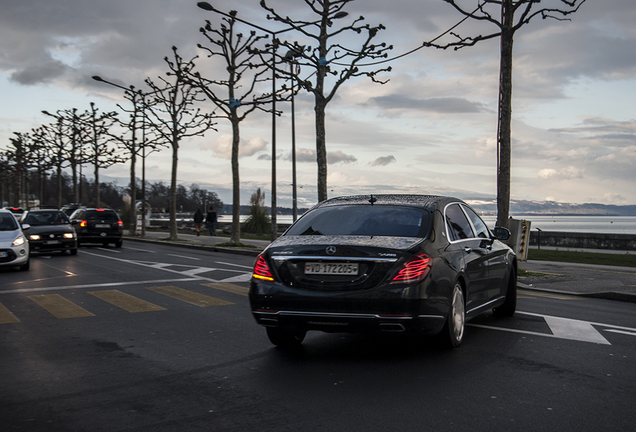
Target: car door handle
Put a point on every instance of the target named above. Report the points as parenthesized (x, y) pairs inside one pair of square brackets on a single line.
[(468, 250)]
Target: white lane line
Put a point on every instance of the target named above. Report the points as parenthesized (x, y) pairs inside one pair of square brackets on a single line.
[(140, 250), (99, 285), (621, 332), (236, 265), (165, 267), (184, 256)]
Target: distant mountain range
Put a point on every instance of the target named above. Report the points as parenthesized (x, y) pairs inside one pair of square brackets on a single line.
[(488, 206)]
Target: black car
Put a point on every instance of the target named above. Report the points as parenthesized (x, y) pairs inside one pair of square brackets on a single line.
[(97, 225), (49, 231), (387, 263)]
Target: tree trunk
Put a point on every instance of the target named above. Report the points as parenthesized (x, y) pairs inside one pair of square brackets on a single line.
[(320, 106), (133, 192), (505, 115), (173, 188), (236, 184)]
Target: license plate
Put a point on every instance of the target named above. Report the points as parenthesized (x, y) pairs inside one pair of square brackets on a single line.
[(52, 242), (331, 268), (102, 226)]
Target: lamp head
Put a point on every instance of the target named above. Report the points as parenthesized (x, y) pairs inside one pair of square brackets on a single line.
[(205, 6)]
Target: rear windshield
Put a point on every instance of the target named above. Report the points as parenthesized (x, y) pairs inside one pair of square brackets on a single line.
[(364, 220), (101, 215), (46, 218)]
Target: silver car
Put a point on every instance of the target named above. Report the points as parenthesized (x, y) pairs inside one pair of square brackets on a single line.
[(14, 247)]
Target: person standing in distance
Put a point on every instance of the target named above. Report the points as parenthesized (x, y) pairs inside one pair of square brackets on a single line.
[(198, 218), (212, 221)]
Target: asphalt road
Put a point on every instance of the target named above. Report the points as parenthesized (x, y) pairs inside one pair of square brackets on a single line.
[(154, 338)]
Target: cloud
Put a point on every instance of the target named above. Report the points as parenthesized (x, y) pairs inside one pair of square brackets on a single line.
[(564, 174), (444, 105), (383, 161), (222, 146), (340, 157)]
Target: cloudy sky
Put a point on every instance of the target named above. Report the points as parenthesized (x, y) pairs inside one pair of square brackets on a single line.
[(430, 129)]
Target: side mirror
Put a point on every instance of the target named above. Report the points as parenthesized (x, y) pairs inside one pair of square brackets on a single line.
[(25, 227), (501, 233)]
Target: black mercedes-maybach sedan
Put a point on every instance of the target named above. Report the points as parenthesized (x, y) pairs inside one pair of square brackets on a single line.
[(388, 263)]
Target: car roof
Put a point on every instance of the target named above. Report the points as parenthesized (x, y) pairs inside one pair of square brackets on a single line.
[(422, 201)]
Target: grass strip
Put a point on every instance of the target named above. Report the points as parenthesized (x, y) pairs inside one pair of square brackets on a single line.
[(621, 260)]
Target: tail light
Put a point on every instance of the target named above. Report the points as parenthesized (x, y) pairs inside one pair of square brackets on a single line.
[(83, 224), (120, 224), (262, 270), (414, 270)]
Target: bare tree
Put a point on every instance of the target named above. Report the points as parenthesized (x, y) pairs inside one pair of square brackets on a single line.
[(175, 116), (73, 130), (235, 95), (508, 16), (331, 62), (131, 143), (53, 136), (101, 153)]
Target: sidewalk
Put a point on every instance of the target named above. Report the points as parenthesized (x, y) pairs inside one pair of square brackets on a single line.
[(609, 282)]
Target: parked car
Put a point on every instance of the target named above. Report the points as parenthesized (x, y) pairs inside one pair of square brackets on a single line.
[(386, 263), (14, 247), (50, 231), (98, 225)]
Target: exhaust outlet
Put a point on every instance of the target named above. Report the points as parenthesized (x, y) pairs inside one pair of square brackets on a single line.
[(392, 327)]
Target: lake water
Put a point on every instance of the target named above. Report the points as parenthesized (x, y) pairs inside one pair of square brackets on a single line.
[(589, 224)]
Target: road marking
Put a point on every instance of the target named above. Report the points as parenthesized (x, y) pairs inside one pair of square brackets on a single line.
[(191, 297), (235, 289), (250, 268), (569, 329), (565, 328), (621, 332), (126, 301), (186, 257), (6, 317), (98, 285), (60, 307), (244, 277)]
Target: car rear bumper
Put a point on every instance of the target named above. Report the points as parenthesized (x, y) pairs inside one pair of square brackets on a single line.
[(350, 322)]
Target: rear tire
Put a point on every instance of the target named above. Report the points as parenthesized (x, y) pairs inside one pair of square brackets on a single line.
[(285, 337), (453, 332), (508, 308)]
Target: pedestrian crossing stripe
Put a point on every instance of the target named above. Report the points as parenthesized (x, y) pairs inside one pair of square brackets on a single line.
[(228, 287), (191, 297), (6, 317), (126, 301), (60, 307)]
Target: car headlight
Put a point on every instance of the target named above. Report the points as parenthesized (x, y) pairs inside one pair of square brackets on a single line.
[(19, 241), (34, 237), (69, 235)]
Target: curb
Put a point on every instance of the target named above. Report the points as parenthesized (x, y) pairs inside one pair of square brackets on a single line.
[(237, 251)]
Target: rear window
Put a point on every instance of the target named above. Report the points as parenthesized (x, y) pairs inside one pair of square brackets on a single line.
[(46, 218), (101, 215), (364, 220)]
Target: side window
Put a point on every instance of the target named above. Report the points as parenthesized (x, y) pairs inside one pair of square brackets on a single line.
[(457, 223), (480, 227)]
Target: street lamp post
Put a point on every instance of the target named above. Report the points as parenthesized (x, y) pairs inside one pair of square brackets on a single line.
[(208, 7), (133, 98)]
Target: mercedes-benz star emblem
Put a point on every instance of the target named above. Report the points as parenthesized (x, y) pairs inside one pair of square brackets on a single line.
[(330, 250)]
